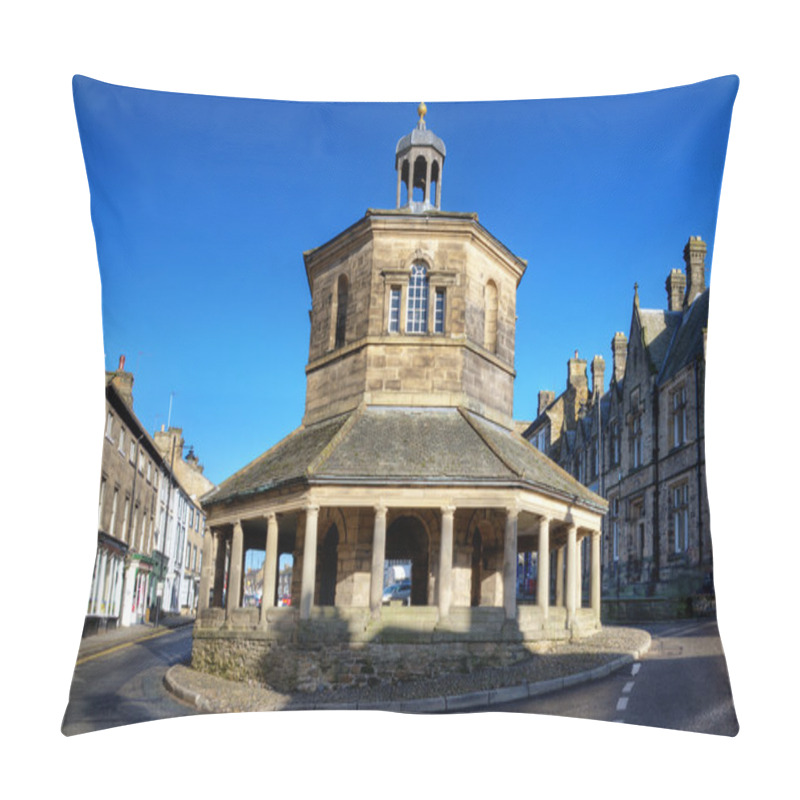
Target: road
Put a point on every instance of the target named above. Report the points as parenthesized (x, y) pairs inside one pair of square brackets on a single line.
[(126, 685), (681, 684)]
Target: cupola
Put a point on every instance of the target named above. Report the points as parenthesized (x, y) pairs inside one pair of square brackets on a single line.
[(419, 161)]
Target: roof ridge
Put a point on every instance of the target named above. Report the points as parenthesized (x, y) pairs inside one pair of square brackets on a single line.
[(326, 451), (489, 444)]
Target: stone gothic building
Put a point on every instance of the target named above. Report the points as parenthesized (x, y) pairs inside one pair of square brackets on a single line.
[(407, 450), (641, 445)]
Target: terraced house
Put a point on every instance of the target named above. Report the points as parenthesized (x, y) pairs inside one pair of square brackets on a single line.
[(150, 529)]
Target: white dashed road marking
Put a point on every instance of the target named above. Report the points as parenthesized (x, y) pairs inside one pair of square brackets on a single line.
[(622, 703)]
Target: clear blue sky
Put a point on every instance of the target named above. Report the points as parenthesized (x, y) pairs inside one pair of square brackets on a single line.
[(203, 206)]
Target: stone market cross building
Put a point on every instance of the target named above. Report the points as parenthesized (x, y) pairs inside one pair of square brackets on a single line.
[(407, 450)]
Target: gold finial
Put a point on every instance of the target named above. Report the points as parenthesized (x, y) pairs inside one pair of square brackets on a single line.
[(422, 109)]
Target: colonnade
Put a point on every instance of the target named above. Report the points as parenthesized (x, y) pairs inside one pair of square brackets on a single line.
[(567, 578), (433, 174)]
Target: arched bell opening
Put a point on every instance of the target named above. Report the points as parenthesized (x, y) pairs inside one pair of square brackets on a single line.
[(407, 540), (433, 194), (420, 179)]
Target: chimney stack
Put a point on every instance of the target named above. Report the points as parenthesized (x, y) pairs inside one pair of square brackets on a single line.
[(676, 290), (545, 398), (694, 254), (598, 377), (576, 373), (577, 388), (123, 382), (619, 349)]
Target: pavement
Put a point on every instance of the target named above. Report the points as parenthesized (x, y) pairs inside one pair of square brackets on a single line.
[(107, 641), (558, 666)]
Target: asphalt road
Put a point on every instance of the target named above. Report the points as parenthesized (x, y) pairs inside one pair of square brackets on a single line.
[(681, 684), (126, 686)]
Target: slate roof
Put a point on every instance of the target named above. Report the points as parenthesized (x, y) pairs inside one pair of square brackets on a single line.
[(420, 137), (658, 329), (401, 446), (687, 342)]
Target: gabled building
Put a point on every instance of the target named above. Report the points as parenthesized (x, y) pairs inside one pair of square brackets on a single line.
[(641, 445)]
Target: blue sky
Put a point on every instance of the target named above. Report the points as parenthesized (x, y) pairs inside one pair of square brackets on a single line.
[(202, 207)]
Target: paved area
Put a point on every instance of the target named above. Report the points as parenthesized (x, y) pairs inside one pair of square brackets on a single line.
[(563, 664)]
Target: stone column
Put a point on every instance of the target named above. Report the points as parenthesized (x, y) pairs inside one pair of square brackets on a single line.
[(270, 566), (206, 571), (560, 576), (445, 582), (572, 575), (309, 562), (378, 560), (235, 568), (510, 564), (596, 574), (578, 573), (219, 567), (439, 188), (543, 558), (399, 183), (427, 180)]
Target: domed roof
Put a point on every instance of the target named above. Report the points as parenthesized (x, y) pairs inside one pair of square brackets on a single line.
[(420, 136)]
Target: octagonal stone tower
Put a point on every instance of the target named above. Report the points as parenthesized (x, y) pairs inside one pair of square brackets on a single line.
[(413, 306), (407, 452)]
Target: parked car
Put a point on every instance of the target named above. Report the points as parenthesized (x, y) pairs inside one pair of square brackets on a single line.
[(398, 593)]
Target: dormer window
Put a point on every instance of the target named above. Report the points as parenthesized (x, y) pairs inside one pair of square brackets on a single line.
[(417, 303)]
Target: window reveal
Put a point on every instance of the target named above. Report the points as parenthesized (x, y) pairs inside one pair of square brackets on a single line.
[(394, 310), (438, 312)]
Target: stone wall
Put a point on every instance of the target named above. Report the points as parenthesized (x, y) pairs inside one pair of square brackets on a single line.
[(297, 668)]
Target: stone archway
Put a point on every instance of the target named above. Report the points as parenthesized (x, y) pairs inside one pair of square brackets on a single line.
[(407, 540), (327, 565)]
